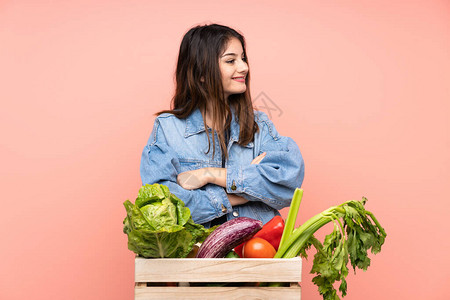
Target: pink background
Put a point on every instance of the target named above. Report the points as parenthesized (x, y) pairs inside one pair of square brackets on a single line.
[(362, 87)]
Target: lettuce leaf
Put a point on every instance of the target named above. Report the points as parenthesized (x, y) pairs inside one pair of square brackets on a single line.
[(159, 225)]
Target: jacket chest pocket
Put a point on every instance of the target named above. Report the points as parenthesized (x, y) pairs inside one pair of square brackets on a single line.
[(189, 165), (242, 155)]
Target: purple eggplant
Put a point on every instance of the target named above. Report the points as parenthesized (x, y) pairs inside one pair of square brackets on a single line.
[(227, 236)]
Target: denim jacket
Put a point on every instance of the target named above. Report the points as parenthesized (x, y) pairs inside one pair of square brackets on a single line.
[(179, 145)]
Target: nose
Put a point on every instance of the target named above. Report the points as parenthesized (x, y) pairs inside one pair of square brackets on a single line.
[(242, 67)]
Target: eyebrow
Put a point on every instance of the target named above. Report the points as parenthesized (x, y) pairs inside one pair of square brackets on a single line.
[(232, 54)]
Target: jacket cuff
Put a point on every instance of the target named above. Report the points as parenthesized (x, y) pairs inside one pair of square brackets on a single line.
[(221, 205), (234, 183)]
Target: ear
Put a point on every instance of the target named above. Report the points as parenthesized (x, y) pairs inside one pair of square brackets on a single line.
[(202, 79)]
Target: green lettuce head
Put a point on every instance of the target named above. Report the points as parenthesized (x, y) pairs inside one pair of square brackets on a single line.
[(159, 225)]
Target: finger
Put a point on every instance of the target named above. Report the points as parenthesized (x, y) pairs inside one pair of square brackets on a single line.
[(255, 160), (259, 158)]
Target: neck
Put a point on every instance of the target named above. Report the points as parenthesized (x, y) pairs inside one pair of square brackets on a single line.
[(209, 115)]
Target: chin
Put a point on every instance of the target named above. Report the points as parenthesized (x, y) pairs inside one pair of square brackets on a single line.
[(235, 92), (240, 91)]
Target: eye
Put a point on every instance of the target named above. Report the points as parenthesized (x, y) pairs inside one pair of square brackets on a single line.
[(244, 59)]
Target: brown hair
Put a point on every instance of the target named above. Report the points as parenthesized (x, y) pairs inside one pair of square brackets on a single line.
[(198, 57)]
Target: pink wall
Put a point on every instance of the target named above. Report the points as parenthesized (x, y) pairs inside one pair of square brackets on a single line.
[(363, 87)]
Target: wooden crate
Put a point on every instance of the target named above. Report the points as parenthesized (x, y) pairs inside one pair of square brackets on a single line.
[(149, 272)]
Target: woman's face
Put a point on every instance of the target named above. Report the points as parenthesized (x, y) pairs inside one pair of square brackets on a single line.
[(233, 68)]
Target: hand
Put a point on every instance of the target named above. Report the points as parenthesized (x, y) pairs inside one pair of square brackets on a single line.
[(258, 159), (191, 180), (236, 200)]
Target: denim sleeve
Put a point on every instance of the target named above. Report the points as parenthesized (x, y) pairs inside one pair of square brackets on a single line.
[(274, 180), (159, 164)]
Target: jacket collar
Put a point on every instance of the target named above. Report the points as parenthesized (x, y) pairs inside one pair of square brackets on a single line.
[(194, 125)]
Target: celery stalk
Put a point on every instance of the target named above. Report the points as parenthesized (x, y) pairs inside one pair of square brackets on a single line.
[(356, 232), (292, 216), (300, 237)]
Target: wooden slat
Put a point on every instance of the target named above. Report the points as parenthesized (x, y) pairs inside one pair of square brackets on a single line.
[(218, 270), (168, 293)]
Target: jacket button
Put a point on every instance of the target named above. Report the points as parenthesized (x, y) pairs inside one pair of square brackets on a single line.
[(235, 213), (233, 186), (224, 209)]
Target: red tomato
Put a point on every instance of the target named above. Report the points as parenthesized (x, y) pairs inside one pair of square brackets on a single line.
[(258, 248)]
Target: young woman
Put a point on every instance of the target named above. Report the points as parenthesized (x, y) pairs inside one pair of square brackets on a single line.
[(212, 150)]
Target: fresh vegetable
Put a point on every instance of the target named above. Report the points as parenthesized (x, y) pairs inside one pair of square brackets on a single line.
[(258, 248), (232, 254), (356, 230), (193, 252), (227, 236), (159, 225), (292, 215), (271, 232), (238, 249)]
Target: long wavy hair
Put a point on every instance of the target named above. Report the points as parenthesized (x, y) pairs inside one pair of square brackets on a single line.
[(198, 59)]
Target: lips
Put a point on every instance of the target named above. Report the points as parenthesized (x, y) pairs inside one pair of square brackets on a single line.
[(240, 79)]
